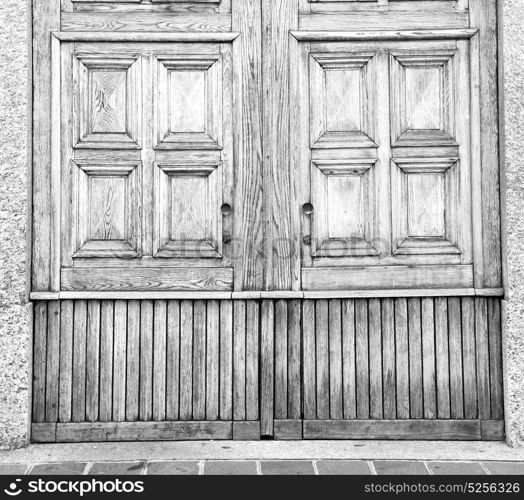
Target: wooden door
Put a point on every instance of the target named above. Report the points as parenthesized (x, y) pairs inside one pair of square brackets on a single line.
[(266, 218)]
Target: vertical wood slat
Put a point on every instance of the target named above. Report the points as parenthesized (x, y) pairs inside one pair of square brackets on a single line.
[(133, 361), (322, 357), (402, 349), (267, 381), (428, 358), (199, 360), (226, 360), (239, 364), (483, 371), (159, 360), (212, 360), (186, 360), (455, 358), (362, 358), (415, 359), (294, 360), (388, 362), (66, 360), (348, 359), (335, 360), (375, 359), (146, 360), (310, 389), (39, 362), (52, 361), (79, 361), (281, 341), (173, 360), (442, 355), (93, 361), (252, 360), (119, 361), (495, 349), (469, 357)]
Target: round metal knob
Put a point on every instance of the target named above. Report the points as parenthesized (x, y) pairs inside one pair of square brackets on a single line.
[(308, 208), (226, 209)]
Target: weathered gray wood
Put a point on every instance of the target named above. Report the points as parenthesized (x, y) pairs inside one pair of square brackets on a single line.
[(428, 359), (159, 360), (402, 349), (66, 360), (252, 360), (322, 358), (294, 359), (79, 361), (281, 362), (120, 361), (53, 361), (39, 362), (93, 360), (482, 344), (423, 430), (416, 396), (146, 360), (133, 361), (226, 360), (186, 360), (247, 18), (442, 355), (143, 431), (495, 349), (389, 361), (246, 431), (43, 432), (492, 430), (199, 360), (239, 363), (267, 368), (362, 358), (336, 409), (212, 360), (375, 360), (469, 357), (456, 382), (288, 430), (348, 359), (173, 360), (309, 357)]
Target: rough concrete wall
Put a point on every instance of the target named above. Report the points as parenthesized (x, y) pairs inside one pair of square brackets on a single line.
[(514, 307), (14, 312)]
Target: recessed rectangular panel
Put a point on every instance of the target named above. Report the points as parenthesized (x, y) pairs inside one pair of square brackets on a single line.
[(345, 207), (188, 102), (343, 101), (426, 208), (107, 208), (423, 99), (188, 222)]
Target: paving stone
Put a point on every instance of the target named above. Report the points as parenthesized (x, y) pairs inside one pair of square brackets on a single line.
[(117, 468), (178, 468), (343, 468), (456, 468), (288, 468), (64, 469), (505, 468), (385, 468), (230, 468), (13, 469)]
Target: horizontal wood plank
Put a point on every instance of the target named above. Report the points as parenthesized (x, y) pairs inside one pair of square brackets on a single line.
[(140, 279), (246, 431), (369, 36), (288, 430), (43, 433)]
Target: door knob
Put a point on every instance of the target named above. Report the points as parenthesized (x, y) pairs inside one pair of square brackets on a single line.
[(308, 208), (226, 209)]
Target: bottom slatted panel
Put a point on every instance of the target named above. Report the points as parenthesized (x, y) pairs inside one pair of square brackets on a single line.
[(286, 369)]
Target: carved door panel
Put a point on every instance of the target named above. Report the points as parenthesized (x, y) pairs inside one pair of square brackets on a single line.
[(146, 166)]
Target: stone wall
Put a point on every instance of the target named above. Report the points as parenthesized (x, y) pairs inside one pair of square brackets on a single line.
[(14, 312), (513, 33)]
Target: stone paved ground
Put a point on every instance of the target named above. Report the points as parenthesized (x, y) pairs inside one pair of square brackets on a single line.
[(267, 467)]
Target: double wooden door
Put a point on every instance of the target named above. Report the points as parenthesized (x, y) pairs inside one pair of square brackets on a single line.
[(266, 218)]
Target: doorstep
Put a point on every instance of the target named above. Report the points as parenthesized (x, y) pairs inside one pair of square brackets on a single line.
[(471, 451)]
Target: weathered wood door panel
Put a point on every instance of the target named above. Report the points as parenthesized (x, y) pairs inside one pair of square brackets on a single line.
[(266, 219)]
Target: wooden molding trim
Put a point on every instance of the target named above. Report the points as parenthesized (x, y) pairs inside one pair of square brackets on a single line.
[(369, 36), (82, 36), (279, 295)]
